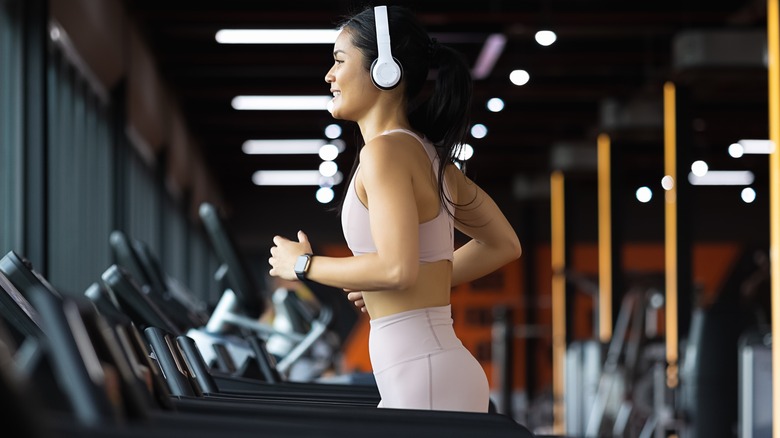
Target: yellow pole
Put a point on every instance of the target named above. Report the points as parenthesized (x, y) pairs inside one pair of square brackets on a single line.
[(605, 238), (773, 46), (558, 256), (670, 184)]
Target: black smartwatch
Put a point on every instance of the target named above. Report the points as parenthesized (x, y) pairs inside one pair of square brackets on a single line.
[(302, 265)]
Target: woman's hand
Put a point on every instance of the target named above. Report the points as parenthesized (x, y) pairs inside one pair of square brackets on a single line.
[(357, 299), (285, 252)]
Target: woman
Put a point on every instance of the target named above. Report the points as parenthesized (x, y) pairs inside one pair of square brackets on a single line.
[(404, 198)]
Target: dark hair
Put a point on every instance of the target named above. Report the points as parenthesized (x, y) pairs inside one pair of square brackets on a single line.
[(443, 115)]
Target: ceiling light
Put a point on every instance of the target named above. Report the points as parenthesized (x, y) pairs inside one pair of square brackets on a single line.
[(756, 146), (283, 103), (333, 131), (748, 195), (644, 194), (325, 195), (279, 147), (545, 37), (294, 178), (723, 178), (328, 168), (519, 77), (736, 150), (276, 36), (667, 182), (294, 147), (699, 168), (329, 152), (465, 151), (479, 130), (495, 104)]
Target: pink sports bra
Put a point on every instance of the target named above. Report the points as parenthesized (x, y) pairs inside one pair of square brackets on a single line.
[(436, 235)]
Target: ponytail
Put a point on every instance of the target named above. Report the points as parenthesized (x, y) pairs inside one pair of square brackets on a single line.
[(444, 116)]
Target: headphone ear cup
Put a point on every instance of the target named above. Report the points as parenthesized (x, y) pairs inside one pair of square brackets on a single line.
[(387, 74)]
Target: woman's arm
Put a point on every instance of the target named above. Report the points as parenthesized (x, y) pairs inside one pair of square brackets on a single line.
[(387, 182), (493, 243)]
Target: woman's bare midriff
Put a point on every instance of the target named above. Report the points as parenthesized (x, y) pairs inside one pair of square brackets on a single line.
[(432, 289)]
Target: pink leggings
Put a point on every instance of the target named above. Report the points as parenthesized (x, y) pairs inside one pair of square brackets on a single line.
[(419, 363)]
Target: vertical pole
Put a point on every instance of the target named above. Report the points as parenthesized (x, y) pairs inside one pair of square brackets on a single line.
[(558, 256), (530, 350), (120, 159), (773, 45), (670, 184), (504, 338), (605, 238), (35, 121)]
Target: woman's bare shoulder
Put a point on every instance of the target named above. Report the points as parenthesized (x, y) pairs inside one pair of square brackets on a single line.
[(388, 149)]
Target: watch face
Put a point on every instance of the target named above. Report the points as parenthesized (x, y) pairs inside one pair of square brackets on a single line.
[(301, 263)]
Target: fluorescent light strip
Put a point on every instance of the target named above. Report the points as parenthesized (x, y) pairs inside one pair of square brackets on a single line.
[(722, 178), (282, 103), (756, 146), (494, 46), (280, 147), (289, 147), (294, 178), (276, 36)]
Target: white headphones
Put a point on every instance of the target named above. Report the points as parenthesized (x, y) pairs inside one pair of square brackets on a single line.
[(386, 71)]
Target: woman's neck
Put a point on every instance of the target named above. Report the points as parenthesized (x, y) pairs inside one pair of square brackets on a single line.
[(384, 116)]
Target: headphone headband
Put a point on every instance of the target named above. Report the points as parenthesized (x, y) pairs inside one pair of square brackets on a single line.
[(385, 70), (382, 32)]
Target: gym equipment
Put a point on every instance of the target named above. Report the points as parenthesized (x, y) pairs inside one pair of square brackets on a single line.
[(755, 395), (136, 257), (138, 269), (710, 374), (82, 349)]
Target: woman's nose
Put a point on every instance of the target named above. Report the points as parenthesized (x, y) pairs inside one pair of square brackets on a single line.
[(329, 77)]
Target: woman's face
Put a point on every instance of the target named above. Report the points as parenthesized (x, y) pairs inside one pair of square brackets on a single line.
[(350, 82)]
